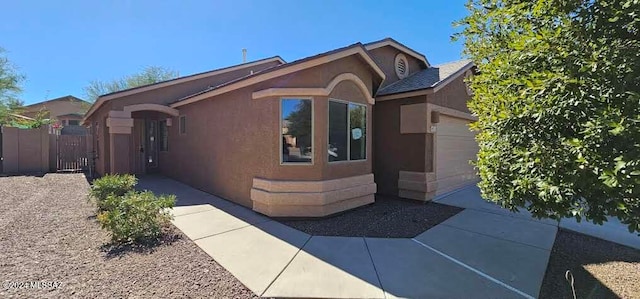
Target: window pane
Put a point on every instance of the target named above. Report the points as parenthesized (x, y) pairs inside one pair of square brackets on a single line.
[(358, 123), (74, 122), (337, 131), (296, 131), (183, 124), (164, 136)]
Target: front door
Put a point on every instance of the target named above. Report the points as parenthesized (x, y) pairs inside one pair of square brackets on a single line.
[(151, 146)]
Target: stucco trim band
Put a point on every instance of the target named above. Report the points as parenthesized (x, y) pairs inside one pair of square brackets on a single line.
[(315, 91), (413, 118), (311, 198), (118, 125), (151, 107), (417, 185)]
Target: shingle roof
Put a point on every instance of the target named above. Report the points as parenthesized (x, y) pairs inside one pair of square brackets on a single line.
[(271, 69), (427, 78), (193, 75)]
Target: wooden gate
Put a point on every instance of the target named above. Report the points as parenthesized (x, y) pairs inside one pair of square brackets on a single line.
[(73, 152)]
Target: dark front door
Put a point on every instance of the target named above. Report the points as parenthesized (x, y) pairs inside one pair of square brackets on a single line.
[(151, 146)]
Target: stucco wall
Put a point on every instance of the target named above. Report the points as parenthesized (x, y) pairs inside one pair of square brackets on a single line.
[(395, 151), (163, 95), (385, 58), (100, 139), (232, 138), (453, 95)]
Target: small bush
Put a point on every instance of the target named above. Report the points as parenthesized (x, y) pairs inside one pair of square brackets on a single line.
[(112, 186), (136, 217)]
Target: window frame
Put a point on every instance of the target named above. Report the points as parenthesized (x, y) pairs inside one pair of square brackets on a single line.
[(96, 130), (366, 152), (76, 121), (161, 124), (182, 128), (313, 133)]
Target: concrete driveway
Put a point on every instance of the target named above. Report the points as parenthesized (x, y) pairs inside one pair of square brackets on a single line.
[(477, 253), (612, 230)]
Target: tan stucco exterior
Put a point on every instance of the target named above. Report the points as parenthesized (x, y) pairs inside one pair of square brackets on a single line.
[(232, 139), (231, 145), (385, 57), (405, 145)]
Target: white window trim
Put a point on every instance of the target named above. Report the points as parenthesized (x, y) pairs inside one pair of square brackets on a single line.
[(313, 143), (181, 126), (366, 147)]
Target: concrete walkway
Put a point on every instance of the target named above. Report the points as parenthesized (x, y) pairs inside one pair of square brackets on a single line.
[(477, 253), (612, 230)]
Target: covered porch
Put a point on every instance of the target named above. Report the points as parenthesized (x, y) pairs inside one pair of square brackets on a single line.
[(138, 138)]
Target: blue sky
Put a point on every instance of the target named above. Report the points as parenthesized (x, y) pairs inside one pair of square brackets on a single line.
[(63, 45)]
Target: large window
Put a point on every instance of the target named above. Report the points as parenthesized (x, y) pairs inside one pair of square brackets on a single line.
[(163, 130), (347, 131), (296, 122)]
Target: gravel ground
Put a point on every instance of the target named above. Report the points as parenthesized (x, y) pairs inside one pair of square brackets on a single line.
[(601, 269), (388, 217), (49, 233)]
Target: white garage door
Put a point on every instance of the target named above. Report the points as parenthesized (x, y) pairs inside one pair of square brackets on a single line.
[(455, 147)]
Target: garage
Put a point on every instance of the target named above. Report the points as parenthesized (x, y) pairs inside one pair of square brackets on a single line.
[(455, 148)]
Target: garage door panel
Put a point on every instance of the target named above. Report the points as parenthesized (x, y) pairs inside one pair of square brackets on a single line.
[(454, 130), (451, 171), (451, 183), (456, 156), (455, 149), (464, 145)]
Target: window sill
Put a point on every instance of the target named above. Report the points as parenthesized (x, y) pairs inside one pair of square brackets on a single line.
[(347, 161)]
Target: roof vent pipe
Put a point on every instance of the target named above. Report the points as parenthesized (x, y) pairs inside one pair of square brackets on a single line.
[(244, 55)]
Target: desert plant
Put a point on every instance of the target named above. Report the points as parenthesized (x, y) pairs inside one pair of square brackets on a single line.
[(110, 188), (136, 217)]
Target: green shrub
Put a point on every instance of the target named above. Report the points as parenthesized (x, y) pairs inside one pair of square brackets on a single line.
[(136, 217), (111, 185)]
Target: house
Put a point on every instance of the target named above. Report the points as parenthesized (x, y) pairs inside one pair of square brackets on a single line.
[(305, 138), (65, 112)]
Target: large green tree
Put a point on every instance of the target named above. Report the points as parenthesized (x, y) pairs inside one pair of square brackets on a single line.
[(557, 94), (10, 80), (148, 75)]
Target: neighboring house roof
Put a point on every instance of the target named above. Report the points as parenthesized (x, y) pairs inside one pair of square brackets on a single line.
[(431, 77), (393, 43), (281, 70), (69, 98), (106, 97), (56, 107), (72, 115), (21, 116)]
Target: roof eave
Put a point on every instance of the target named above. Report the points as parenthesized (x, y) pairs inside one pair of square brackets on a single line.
[(284, 70), (428, 90), (103, 98), (393, 43)]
